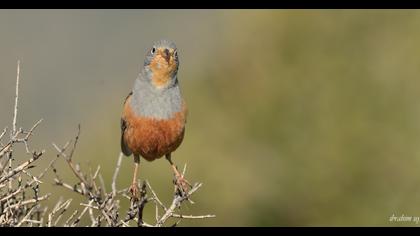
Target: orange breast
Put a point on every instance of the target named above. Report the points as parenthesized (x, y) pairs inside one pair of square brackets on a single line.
[(152, 138)]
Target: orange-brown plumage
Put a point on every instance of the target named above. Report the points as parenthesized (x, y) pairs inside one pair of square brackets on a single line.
[(153, 138)]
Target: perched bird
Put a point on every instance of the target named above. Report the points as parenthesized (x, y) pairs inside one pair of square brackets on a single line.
[(154, 112)]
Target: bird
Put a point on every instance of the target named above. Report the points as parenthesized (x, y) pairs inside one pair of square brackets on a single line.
[(154, 112)]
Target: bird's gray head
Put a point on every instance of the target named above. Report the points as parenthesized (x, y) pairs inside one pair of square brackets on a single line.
[(162, 47), (161, 63)]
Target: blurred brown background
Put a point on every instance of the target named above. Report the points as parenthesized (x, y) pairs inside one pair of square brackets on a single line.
[(296, 117)]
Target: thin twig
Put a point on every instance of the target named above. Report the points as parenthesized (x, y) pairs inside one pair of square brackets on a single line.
[(75, 142), (101, 180), (175, 203), (5, 149), (26, 217), (68, 186), (30, 201), (155, 197), (114, 178), (70, 218), (16, 99), (3, 133), (25, 139), (64, 209), (192, 217), (21, 167), (81, 214), (70, 163), (48, 167), (43, 215), (20, 189)]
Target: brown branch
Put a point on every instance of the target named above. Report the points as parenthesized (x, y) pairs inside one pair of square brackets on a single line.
[(68, 186), (75, 142), (29, 201), (21, 167), (70, 163), (175, 203)]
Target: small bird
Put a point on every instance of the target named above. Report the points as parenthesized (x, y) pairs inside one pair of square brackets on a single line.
[(154, 112)]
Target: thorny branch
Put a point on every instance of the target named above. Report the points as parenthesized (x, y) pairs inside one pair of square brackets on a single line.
[(21, 198), (107, 205), (17, 205)]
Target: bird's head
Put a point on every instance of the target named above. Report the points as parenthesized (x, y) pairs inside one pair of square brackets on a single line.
[(162, 63)]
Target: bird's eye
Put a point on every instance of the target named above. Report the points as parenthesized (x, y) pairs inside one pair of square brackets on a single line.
[(153, 50), (176, 54)]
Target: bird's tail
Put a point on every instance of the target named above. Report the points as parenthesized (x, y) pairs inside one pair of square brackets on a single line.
[(124, 148)]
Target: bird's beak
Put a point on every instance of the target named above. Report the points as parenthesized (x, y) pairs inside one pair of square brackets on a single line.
[(166, 55)]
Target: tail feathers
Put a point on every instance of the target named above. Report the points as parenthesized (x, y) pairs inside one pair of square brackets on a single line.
[(124, 147)]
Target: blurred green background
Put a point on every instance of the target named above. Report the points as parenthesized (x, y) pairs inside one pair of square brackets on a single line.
[(296, 117)]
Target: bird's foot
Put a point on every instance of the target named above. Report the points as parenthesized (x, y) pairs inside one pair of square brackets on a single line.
[(134, 190), (182, 185)]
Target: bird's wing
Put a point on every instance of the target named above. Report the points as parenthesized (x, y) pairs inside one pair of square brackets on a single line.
[(124, 147)]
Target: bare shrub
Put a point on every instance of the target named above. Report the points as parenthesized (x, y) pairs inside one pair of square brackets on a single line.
[(20, 190)]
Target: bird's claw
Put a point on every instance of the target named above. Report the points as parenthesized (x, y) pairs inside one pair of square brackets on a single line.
[(182, 184), (134, 190)]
